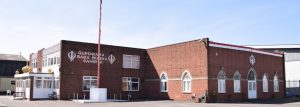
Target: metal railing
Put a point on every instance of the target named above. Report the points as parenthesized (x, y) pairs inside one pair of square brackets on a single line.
[(292, 87)]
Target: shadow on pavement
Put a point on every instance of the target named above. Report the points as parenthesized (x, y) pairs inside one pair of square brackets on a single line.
[(277, 101)]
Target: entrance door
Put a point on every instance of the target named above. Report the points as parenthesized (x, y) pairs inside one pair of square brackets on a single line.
[(252, 92), (252, 89)]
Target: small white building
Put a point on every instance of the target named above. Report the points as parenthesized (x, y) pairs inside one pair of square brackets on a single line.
[(42, 85)]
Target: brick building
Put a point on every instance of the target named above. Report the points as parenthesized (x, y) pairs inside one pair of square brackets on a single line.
[(292, 63), (221, 72)]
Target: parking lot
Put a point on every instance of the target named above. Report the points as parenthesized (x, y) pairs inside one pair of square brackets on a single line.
[(6, 100)]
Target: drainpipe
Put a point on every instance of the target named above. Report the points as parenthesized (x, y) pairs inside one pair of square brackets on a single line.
[(284, 79)]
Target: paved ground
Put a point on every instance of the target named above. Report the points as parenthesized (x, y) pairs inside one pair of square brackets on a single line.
[(6, 100)]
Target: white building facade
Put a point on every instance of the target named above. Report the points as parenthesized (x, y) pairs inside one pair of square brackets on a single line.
[(44, 78)]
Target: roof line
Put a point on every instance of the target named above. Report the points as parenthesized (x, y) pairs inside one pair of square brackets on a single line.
[(244, 47)]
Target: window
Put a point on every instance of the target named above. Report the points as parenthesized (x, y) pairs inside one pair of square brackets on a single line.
[(49, 61), (221, 82), (276, 84), (22, 84), (47, 82), (130, 84), (237, 82), (44, 62), (58, 60), (89, 82), (12, 82), (265, 83), (186, 82), (131, 61), (163, 83), (38, 82), (52, 61), (34, 63), (251, 75), (17, 83)]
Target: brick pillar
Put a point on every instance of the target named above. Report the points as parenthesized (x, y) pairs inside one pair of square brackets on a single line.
[(40, 60)]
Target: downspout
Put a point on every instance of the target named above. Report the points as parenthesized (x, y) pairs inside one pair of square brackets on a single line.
[(284, 79)]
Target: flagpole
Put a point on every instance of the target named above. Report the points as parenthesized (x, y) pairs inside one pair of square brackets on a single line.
[(99, 54)]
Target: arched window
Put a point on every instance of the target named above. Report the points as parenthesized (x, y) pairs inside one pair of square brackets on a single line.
[(265, 83), (221, 82), (251, 75), (186, 82), (237, 82), (276, 84), (164, 83)]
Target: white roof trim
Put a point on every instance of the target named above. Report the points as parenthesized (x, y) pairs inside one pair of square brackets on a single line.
[(32, 74), (244, 49), (274, 46)]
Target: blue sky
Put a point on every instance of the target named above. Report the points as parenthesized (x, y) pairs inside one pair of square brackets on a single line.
[(29, 25)]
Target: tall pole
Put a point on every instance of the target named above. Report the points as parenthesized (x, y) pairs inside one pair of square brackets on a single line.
[(99, 54)]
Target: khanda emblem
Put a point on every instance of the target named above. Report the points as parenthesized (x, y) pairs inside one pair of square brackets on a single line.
[(72, 55), (111, 58), (252, 59)]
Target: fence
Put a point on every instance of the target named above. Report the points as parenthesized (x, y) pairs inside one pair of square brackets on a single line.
[(293, 88)]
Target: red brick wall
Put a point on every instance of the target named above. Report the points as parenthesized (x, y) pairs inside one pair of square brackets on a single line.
[(233, 60), (40, 60), (111, 74), (203, 64), (174, 60)]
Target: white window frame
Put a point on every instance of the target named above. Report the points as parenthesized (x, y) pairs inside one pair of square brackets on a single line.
[(164, 83), (36, 79), (131, 60), (276, 84), (34, 63), (43, 60), (90, 79), (221, 82), (58, 60), (237, 82), (265, 83), (47, 82), (49, 61), (128, 81), (186, 82)]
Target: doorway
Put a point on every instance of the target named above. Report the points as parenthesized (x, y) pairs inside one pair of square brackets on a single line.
[(252, 88)]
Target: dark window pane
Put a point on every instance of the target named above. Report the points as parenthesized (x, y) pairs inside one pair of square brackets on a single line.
[(135, 86)]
